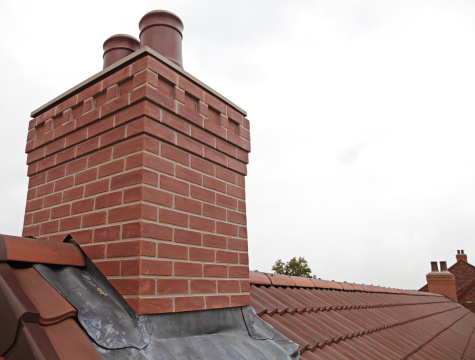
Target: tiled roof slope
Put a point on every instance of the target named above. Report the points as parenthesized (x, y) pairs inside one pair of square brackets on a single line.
[(332, 320), (56, 304)]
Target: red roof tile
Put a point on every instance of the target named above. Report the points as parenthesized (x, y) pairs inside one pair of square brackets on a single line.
[(363, 321)]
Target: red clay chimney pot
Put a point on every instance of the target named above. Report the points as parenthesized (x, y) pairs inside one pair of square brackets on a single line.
[(434, 266), (117, 47), (163, 32), (443, 266)]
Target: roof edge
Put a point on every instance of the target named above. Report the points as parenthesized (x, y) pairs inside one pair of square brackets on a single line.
[(270, 279), (125, 61)]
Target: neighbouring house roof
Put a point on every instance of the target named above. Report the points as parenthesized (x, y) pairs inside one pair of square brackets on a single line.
[(334, 320), (55, 304)]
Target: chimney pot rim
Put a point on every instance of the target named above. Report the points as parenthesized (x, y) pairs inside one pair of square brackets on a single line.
[(161, 18), (122, 41)]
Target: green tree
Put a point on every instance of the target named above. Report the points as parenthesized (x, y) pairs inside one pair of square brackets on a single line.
[(294, 267)]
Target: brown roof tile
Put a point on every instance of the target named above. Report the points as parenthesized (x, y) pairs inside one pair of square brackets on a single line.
[(364, 321), (15, 248)]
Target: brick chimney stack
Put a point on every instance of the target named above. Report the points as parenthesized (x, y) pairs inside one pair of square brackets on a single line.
[(461, 256), (442, 282), (144, 165)]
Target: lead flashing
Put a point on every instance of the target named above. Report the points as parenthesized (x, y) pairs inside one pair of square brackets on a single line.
[(126, 60)]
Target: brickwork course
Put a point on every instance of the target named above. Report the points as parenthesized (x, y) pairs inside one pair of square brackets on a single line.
[(145, 167), (464, 276)]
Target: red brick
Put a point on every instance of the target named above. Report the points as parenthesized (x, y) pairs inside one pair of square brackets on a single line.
[(157, 163), (243, 156), (228, 286), (45, 189), (243, 232), (174, 185), (201, 254), (188, 175), (108, 200), (64, 183), (53, 199), (85, 176), (203, 136), (202, 194), (129, 113), (237, 166), (76, 166), (54, 146), (140, 176), (109, 267), (237, 244), (244, 258), (33, 205), (188, 269), (245, 286), (187, 204), (112, 137), (176, 122), (202, 165), (214, 211), (242, 206), (189, 144), (128, 147), (155, 305), (73, 194), (172, 286), (216, 241), (226, 175), (226, 228), (131, 212), (156, 196), (31, 194), (99, 157), (240, 300), (75, 137), (239, 271), (202, 286), (173, 217), (94, 219), (187, 237), (106, 233), (40, 216), (156, 231), (188, 303), (212, 183), (217, 302), (61, 211), (236, 191), (226, 201), (87, 146), (123, 249), (113, 167), (56, 173), (115, 104), (31, 230), (200, 223), (90, 91), (128, 286), (211, 270), (175, 154), (36, 180), (229, 257), (96, 187), (70, 223), (172, 251), (226, 147), (236, 217), (46, 163), (160, 131), (28, 219), (147, 267), (94, 251), (215, 156), (190, 115)]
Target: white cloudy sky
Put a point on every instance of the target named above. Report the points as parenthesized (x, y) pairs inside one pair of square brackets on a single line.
[(362, 118)]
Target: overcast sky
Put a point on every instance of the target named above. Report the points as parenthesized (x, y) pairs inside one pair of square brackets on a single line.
[(362, 118)]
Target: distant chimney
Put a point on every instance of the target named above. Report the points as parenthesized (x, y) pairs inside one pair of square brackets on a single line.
[(442, 282), (461, 256), (118, 47), (162, 31), (144, 166)]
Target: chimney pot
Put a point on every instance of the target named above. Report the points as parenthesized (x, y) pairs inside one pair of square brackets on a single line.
[(462, 251), (461, 256), (443, 266), (458, 251), (162, 31), (434, 266), (118, 47)]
